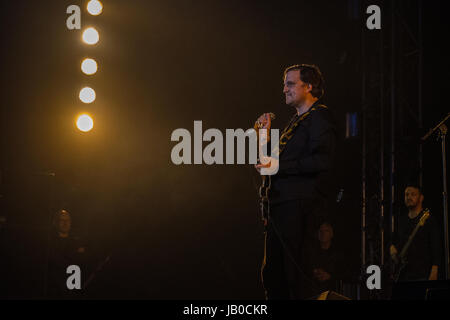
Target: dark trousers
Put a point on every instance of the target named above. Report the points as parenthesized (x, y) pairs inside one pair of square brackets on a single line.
[(291, 227)]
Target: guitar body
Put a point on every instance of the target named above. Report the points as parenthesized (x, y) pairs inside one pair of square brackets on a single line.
[(397, 268)]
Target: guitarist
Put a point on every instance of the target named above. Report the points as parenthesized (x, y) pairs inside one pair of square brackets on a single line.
[(423, 255), (298, 190)]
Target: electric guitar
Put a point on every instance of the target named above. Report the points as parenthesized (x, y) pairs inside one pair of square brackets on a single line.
[(400, 262), (286, 135)]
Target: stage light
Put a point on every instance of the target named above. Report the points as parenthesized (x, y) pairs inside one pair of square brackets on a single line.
[(94, 7), (89, 66), (87, 95), (85, 123), (90, 36)]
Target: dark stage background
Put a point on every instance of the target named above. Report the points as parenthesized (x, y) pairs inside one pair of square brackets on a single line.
[(172, 232)]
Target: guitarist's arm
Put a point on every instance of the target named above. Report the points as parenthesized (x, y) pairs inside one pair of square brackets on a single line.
[(393, 248)]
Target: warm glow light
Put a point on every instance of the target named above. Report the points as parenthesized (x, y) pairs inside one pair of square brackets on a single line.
[(89, 66), (87, 95), (90, 36), (85, 123), (94, 7)]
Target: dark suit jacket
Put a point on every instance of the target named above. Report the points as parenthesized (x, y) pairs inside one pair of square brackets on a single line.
[(307, 159)]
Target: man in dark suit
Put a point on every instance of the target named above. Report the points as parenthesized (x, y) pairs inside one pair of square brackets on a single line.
[(299, 189)]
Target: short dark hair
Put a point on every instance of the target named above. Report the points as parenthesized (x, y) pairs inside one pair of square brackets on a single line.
[(309, 74), (415, 186)]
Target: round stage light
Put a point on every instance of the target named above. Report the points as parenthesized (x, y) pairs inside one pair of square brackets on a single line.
[(94, 7), (90, 36), (87, 95), (89, 66), (85, 123)]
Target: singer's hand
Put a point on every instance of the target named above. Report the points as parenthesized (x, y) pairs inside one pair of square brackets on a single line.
[(260, 165), (264, 122)]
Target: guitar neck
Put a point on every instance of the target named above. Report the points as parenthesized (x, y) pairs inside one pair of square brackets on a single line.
[(411, 237), (408, 243)]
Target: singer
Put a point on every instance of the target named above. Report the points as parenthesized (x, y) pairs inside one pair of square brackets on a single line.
[(298, 191)]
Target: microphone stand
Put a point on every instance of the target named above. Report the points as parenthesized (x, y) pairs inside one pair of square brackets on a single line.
[(442, 133)]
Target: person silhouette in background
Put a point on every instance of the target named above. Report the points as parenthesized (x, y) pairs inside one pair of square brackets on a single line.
[(324, 260), (65, 249)]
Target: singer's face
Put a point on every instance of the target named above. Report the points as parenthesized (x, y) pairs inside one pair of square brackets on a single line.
[(295, 90), (412, 197)]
